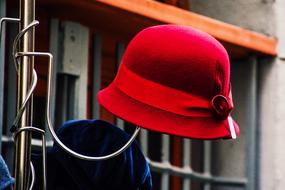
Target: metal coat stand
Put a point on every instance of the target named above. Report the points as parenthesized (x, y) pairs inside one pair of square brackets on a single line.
[(24, 70), (22, 129)]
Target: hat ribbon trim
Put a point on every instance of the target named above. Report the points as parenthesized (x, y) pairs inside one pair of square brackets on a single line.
[(160, 96)]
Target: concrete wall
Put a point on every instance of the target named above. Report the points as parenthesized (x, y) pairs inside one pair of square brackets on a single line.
[(267, 17), (271, 124), (231, 157), (272, 111), (257, 15)]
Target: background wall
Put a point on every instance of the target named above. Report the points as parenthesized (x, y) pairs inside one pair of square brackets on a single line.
[(258, 155)]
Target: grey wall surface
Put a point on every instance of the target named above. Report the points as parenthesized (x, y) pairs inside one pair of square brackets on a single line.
[(271, 124), (267, 17), (232, 158), (257, 15), (280, 26), (272, 111)]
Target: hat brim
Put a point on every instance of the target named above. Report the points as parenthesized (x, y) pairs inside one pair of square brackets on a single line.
[(155, 119)]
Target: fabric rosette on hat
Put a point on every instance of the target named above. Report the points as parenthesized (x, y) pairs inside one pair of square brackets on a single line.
[(174, 80)]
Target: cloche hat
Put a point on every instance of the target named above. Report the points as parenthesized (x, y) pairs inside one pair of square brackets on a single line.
[(175, 80)]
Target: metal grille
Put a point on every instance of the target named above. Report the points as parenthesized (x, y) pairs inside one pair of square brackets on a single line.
[(186, 172)]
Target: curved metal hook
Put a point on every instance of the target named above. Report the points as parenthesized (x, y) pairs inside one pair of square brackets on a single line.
[(22, 108), (35, 78), (5, 19), (17, 38), (49, 123), (34, 82), (33, 176), (42, 132)]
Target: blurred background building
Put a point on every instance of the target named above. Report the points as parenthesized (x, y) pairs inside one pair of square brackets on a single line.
[(88, 39)]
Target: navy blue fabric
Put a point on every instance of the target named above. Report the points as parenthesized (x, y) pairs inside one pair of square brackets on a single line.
[(6, 180), (128, 171)]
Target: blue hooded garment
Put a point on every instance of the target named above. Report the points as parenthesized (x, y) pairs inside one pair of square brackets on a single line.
[(127, 171), (6, 180)]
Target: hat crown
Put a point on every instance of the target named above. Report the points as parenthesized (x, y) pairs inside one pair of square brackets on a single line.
[(180, 57)]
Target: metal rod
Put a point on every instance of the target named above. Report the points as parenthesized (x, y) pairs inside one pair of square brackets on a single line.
[(165, 160), (33, 176), (207, 162), (42, 133), (202, 177), (2, 59), (186, 162), (25, 70)]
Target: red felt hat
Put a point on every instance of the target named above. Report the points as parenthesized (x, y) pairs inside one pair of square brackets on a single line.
[(175, 80)]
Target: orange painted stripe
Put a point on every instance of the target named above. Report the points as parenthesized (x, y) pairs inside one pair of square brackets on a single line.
[(220, 30)]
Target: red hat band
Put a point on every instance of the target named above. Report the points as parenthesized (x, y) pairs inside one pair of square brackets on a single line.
[(159, 96)]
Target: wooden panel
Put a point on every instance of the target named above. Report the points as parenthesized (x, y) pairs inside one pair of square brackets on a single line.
[(90, 90), (184, 4), (220, 30), (125, 18), (170, 2), (106, 115), (42, 44), (176, 160), (108, 70)]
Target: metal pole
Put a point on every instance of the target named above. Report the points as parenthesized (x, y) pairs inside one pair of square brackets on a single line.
[(2, 61), (25, 68)]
